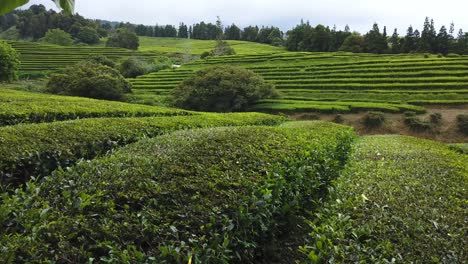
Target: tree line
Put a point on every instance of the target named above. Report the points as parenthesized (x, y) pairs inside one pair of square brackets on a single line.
[(305, 37), (36, 21)]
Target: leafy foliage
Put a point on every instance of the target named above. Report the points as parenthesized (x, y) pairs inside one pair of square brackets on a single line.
[(200, 196), (88, 79), (88, 35), (222, 89), (123, 38), (9, 62), (374, 119), (401, 199), (27, 150), (58, 37), (26, 107), (462, 121), (10, 5)]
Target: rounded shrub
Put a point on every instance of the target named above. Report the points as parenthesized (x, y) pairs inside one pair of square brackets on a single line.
[(123, 38), (436, 118), (222, 89), (462, 122), (101, 59), (88, 35), (133, 67), (58, 37), (89, 79), (9, 62), (417, 124), (374, 119)]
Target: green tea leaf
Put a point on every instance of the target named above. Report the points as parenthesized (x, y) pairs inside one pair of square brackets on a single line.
[(10, 5)]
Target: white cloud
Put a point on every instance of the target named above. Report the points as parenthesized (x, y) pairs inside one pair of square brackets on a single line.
[(359, 14)]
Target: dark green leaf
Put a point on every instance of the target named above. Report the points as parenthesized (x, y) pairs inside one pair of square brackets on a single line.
[(10, 5)]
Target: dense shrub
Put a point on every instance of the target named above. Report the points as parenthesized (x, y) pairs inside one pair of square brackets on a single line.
[(417, 124), (9, 62), (199, 196), (396, 202), (123, 38), (58, 37), (222, 48), (205, 55), (374, 119), (27, 150), (462, 121), (101, 59), (133, 67), (222, 89), (88, 79), (435, 118), (338, 119), (88, 35)]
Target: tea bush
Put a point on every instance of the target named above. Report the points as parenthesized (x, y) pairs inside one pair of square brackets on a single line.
[(400, 199), (27, 107), (38, 149), (199, 196)]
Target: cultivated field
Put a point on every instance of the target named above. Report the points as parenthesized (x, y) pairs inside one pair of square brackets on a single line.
[(84, 180), (335, 82)]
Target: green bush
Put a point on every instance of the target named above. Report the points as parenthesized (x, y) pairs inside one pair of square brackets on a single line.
[(222, 48), (88, 35), (339, 119), (123, 38), (374, 119), (417, 124), (133, 67), (462, 122), (9, 62), (25, 107), (400, 200), (202, 196), (205, 55), (27, 150), (436, 118), (101, 59), (222, 89), (58, 37), (92, 80)]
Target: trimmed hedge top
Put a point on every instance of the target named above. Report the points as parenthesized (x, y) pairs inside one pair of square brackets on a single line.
[(38, 149), (26, 107), (201, 196), (401, 199)]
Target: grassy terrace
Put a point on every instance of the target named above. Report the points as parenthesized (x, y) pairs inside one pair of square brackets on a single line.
[(39, 58), (315, 81)]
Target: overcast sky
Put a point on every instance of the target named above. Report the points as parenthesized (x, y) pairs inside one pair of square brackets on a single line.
[(358, 14)]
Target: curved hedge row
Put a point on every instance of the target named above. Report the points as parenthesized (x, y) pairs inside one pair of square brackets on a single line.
[(26, 107), (37, 149), (199, 196), (401, 200)]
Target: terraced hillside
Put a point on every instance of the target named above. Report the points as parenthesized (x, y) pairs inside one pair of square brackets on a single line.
[(39, 58), (85, 179), (336, 81)]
